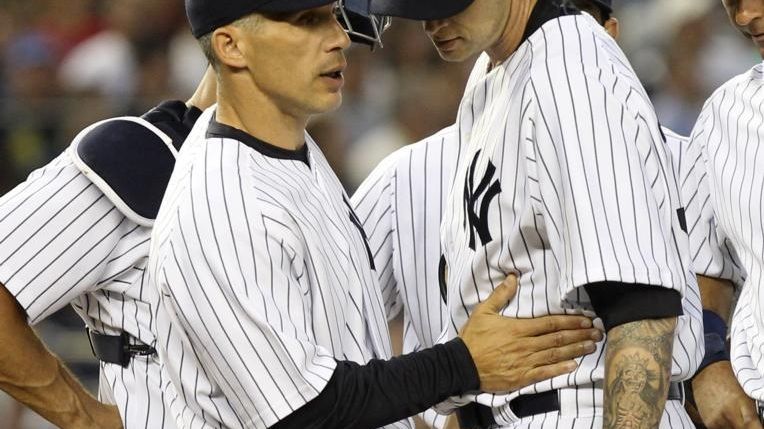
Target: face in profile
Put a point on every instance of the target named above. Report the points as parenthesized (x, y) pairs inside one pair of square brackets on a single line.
[(297, 60), (470, 32)]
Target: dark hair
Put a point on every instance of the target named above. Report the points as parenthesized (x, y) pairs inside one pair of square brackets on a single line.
[(602, 13)]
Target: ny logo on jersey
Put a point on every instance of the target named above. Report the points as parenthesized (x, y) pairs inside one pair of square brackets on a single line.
[(357, 223), (478, 219)]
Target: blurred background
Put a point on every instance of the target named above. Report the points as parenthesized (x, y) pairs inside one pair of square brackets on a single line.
[(67, 63)]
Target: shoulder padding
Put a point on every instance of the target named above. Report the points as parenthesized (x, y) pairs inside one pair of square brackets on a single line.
[(130, 160)]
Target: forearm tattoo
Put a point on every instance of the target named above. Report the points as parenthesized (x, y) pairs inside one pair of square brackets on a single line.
[(637, 371)]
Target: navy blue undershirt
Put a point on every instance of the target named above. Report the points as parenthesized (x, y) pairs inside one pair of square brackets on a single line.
[(216, 129)]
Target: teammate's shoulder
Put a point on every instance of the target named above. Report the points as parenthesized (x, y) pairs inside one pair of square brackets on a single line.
[(446, 138), (130, 160), (555, 37), (754, 73)]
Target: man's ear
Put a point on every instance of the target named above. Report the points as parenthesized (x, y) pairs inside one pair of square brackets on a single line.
[(613, 28), (226, 42)]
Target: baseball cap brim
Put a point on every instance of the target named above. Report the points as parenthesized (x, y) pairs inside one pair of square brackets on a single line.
[(207, 15), (291, 5), (420, 10)]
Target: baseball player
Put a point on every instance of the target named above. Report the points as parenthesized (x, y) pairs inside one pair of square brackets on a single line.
[(719, 399), (721, 177), (77, 232), (272, 315), (564, 179), (401, 206)]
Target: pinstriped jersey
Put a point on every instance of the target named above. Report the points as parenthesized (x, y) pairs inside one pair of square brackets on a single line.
[(724, 181), (400, 206), (565, 181), (63, 241), (265, 280), (677, 145)]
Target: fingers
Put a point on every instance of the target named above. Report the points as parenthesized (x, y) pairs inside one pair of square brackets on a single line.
[(546, 372), (548, 324), (561, 354), (501, 296), (564, 338), (721, 401)]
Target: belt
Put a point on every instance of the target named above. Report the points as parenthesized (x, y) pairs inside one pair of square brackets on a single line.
[(478, 416), (117, 349)]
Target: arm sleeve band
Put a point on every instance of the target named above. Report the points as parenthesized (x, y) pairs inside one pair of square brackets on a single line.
[(620, 303), (383, 392)]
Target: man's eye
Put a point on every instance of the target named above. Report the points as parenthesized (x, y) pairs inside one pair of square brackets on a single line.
[(308, 19)]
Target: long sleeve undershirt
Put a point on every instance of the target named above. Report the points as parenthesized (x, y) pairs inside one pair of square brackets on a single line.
[(383, 392)]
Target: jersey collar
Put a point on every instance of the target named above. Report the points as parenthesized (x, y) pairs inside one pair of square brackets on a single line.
[(543, 12), (216, 129)]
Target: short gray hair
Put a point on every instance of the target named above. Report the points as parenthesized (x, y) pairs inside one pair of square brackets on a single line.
[(250, 22)]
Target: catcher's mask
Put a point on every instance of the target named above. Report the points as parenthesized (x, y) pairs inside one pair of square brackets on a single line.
[(361, 25)]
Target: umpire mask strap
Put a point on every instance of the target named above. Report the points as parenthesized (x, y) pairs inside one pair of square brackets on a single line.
[(362, 26)]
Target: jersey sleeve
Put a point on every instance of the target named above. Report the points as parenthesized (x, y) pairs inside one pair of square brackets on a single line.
[(239, 288), (712, 252), (60, 237), (373, 203), (604, 184)]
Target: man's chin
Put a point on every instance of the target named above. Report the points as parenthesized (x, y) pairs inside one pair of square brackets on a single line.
[(331, 103), (453, 56)]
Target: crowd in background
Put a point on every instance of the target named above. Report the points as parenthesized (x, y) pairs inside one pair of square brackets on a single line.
[(67, 63)]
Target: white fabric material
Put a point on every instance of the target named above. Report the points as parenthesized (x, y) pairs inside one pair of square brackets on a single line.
[(565, 181), (264, 280), (63, 241), (725, 179)]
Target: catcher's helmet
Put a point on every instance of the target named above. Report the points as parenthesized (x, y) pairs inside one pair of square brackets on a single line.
[(360, 23)]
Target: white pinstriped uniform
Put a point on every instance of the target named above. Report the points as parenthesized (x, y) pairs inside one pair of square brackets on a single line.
[(565, 180), (63, 241), (723, 180), (400, 206), (265, 281)]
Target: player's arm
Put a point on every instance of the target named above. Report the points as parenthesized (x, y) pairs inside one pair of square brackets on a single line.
[(492, 353), (719, 398), (205, 94), (46, 261), (637, 373), (612, 219), (259, 328), (32, 375), (640, 322)]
